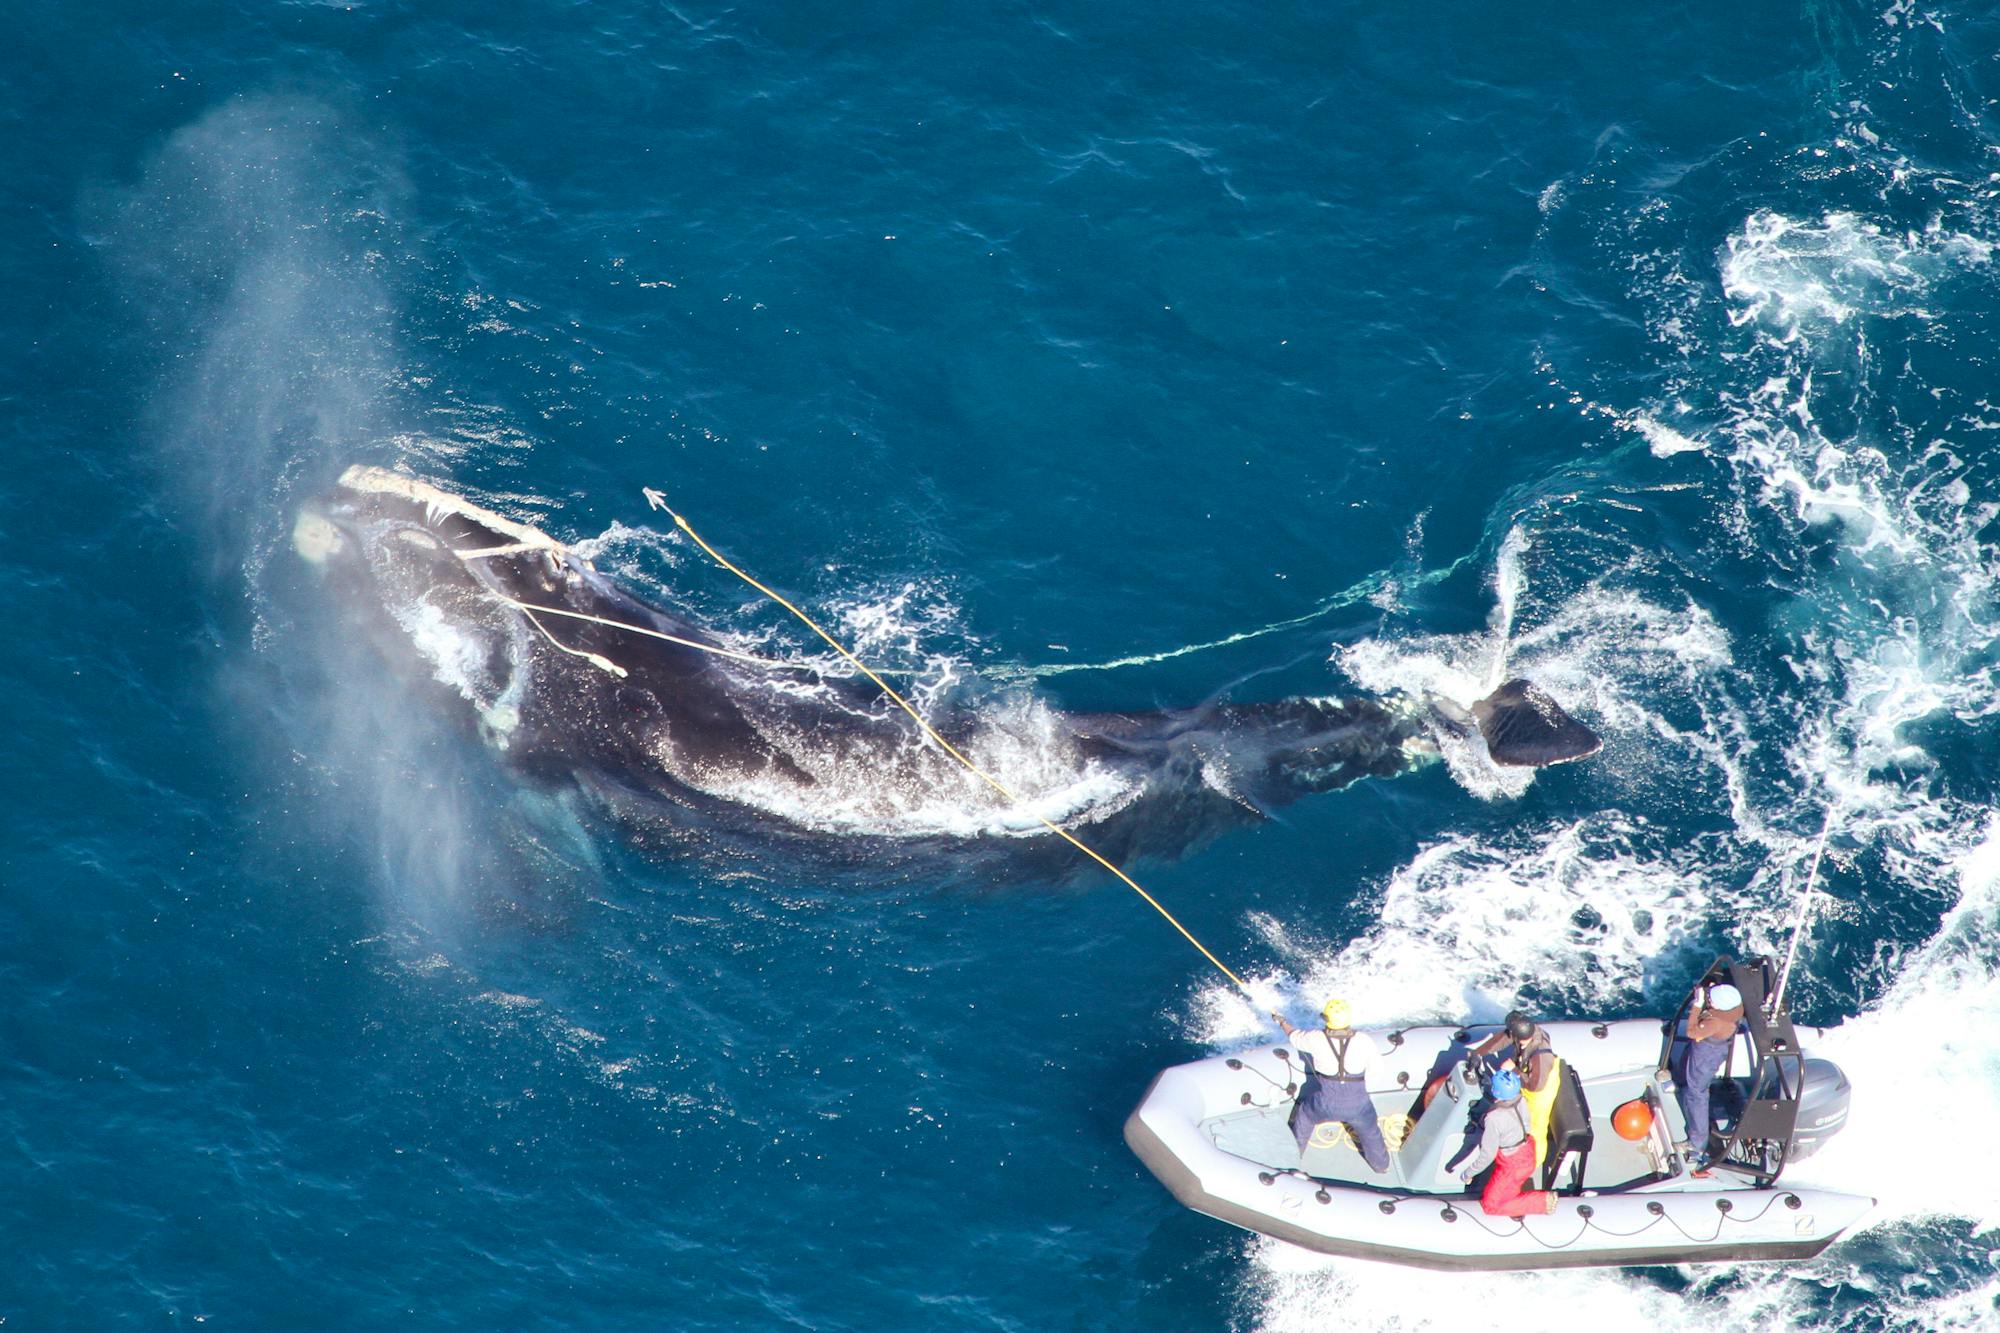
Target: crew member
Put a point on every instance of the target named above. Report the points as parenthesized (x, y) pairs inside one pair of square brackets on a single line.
[(1504, 1141), (1713, 1015), (1540, 1068), (1337, 1060)]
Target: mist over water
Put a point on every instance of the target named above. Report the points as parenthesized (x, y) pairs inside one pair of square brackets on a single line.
[(1068, 361), (262, 245), (258, 245)]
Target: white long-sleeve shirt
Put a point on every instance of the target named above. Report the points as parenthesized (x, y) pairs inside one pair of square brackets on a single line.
[(1361, 1052)]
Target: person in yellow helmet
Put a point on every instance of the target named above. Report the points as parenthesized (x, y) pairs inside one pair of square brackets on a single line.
[(1335, 1089)]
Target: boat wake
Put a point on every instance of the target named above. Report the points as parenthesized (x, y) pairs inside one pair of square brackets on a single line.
[(1802, 442)]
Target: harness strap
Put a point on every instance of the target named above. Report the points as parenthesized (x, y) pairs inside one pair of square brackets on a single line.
[(1338, 1045)]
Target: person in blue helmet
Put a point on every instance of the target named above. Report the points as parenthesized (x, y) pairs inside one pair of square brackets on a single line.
[(1533, 1057), (1337, 1060), (1505, 1141), (1714, 1014)]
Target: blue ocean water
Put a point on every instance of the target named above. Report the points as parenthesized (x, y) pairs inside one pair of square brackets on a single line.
[(1128, 355)]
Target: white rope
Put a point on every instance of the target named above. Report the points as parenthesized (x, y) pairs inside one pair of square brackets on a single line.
[(603, 663), (1777, 1000), (776, 664), (654, 634)]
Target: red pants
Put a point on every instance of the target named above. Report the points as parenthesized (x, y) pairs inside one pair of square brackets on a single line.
[(1504, 1196)]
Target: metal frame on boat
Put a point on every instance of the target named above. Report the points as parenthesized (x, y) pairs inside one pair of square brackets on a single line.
[(1765, 1130)]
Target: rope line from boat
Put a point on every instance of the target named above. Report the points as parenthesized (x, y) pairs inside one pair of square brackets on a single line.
[(1777, 1001), (950, 749)]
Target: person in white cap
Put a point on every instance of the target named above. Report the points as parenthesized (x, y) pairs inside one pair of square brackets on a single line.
[(1713, 1016), (1337, 1060)]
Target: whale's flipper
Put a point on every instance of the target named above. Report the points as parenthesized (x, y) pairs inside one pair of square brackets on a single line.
[(1525, 728)]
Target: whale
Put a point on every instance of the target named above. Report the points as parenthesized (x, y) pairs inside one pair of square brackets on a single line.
[(576, 682)]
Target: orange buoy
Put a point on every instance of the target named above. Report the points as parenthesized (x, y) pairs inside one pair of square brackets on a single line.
[(1633, 1120)]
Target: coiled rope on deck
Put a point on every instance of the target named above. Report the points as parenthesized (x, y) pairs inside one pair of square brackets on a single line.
[(947, 746)]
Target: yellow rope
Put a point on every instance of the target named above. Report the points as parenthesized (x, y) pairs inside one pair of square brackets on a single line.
[(953, 750)]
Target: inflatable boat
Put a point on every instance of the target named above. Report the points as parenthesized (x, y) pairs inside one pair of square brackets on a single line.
[(1216, 1134)]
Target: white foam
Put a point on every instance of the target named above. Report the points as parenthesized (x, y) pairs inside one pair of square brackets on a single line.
[(456, 657), (902, 626), (1297, 1291), (1664, 441), (625, 552), (1924, 1052), (1581, 912), (1785, 273), (887, 783)]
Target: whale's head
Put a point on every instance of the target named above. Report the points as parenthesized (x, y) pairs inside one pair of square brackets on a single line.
[(437, 581), (381, 518)]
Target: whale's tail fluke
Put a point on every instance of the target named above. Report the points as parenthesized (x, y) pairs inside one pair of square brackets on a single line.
[(1522, 726), (1263, 755)]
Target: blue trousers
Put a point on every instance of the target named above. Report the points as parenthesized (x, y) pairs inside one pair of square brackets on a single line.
[(1324, 1099), (1699, 1066)]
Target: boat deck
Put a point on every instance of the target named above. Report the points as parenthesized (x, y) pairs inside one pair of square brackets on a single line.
[(1261, 1134)]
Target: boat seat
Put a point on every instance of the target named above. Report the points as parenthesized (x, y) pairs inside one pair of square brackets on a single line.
[(1569, 1130)]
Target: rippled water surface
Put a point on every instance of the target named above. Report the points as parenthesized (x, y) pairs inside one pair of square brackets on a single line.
[(1067, 358)]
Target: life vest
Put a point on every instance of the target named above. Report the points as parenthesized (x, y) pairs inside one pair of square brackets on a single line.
[(1541, 1105)]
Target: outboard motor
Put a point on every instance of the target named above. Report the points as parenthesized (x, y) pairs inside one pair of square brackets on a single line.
[(1822, 1107)]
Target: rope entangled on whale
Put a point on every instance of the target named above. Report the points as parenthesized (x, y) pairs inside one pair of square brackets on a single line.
[(658, 501)]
